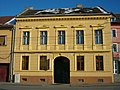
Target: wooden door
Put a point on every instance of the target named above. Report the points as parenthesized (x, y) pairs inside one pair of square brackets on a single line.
[(3, 74)]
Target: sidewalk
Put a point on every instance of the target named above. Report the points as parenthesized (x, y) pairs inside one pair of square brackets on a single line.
[(60, 85)]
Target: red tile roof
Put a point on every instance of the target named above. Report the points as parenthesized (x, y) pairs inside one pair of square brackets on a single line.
[(4, 19)]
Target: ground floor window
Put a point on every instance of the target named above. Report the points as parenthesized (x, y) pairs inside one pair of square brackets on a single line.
[(44, 63), (99, 63), (80, 62), (25, 62)]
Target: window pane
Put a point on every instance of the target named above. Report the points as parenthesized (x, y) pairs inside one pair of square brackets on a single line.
[(26, 38), (80, 62), (79, 37), (99, 63), (2, 40), (61, 37), (115, 48), (113, 33), (98, 37), (44, 63), (43, 37), (25, 62)]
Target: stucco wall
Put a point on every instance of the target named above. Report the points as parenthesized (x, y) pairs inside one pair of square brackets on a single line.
[(70, 50)]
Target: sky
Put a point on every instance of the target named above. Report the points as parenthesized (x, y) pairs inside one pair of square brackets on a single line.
[(14, 7)]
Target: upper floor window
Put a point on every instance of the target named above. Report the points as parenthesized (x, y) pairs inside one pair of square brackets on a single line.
[(43, 37), (113, 19), (98, 37), (44, 63), (61, 37), (99, 63), (115, 47), (2, 40), (114, 33), (26, 37), (79, 37), (80, 62), (25, 62)]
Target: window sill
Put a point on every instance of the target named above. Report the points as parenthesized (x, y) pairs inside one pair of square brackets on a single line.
[(3, 45), (100, 70), (43, 44), (80, 70), (25, 44)]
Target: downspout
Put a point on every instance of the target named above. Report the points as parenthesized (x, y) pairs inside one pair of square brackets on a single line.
[(12, 55)]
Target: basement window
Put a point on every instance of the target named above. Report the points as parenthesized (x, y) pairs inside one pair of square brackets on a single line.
[(100, 80), (24, 79), (81, 80), (43, 80)]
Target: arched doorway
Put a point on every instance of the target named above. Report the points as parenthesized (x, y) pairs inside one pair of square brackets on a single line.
[(62, 70)]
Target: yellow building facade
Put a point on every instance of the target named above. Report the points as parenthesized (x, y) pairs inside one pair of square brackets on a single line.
[(68, 49), (6, 29)]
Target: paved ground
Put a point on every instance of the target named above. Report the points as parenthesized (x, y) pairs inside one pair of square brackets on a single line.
[(13, 86)]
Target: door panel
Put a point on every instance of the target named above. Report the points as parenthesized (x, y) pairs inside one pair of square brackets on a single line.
[(3, 73), (61, 70)]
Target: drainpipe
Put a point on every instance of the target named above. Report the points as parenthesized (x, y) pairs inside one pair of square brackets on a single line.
[(12, 54)]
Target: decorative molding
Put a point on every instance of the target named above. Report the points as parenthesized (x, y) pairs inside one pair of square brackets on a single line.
[(43, 27), (78, 26), (61, 26), (98, 26), (61, 51), (61, 19), (25, 27)]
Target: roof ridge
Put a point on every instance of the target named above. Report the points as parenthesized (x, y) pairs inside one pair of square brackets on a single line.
[(23, 12)]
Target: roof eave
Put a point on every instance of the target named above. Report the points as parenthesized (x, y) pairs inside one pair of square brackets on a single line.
[(56, 15), (6, 26)]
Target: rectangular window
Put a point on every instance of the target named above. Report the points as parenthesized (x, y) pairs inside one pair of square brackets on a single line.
[(79, 37), (80, 62), (44, 63), (99, 63), (100, 80), (61, 37), (43, 37), (114, 33), (25, 62), (98, 37), (2, 40), (115, 48), (26, 37), (113, 19)]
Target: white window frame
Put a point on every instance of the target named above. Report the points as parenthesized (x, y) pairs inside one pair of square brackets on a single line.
[(43, 37), (116, 47), (99, 36), (26, 40), (61, 37), (79, 37), (115, 32), (113, 19)]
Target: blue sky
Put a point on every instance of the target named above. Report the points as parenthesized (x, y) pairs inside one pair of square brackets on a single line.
[(14, 7)]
